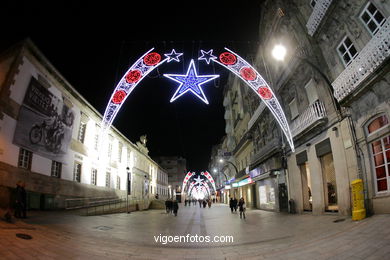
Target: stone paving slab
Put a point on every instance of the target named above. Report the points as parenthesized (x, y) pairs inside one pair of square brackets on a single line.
[(263, 235)]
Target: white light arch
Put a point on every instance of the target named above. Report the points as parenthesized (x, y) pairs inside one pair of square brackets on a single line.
[(228, 59)]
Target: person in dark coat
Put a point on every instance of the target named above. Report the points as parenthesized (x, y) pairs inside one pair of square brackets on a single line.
[(18, 200), (24, 200), (242, 207), (167, 205), (175, 207), (200, 203), (204, 203), (231, 204), (235, 202)]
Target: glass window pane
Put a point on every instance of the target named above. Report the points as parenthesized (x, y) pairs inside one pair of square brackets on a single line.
[(386, 142), (342, 49), (379, 159), (353, 51), (388, 156), (380, 172), (346, 58), (372, 26), (347, 42), (376, 147), (371, 8), (379, 17), (382, 185), (377, 123), (365, 17)]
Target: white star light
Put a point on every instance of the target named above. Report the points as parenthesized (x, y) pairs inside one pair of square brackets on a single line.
[(207, 56), (198, 180), (190, 82), (173, 56)]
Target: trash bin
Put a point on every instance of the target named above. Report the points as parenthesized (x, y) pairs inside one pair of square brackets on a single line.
[(358, 210), (291, 204)]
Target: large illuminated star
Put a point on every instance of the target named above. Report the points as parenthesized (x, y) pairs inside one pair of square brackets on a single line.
[(190, 82), (198, 181)]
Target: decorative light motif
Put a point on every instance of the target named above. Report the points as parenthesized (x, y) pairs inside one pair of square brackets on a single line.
[(255, 81), (210, 178), (118, 97), (152, 59), (173, 56), (190, 82), (207, 56), (133, 76)]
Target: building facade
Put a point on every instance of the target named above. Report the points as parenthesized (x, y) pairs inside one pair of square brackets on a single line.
[(176, 168), (50, 138)]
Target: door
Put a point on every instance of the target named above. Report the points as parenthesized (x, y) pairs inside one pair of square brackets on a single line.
[(306, 187), (283, 199), (330, 186)]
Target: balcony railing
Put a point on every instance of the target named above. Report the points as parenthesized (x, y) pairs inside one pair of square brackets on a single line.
[(313, 115), (369, 59), (316, 16)]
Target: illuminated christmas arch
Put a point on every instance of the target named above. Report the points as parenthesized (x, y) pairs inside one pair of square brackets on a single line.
[(191, 82)]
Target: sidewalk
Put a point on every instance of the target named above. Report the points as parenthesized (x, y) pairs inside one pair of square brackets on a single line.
[(262, 235)]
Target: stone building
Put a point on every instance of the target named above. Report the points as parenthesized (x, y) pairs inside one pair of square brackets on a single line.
[(50, 139), (176, 168)]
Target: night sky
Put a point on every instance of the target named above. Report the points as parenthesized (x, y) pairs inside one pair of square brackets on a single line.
[(92, 44)]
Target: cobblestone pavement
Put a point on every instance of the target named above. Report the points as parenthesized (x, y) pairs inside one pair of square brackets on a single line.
[(262, 235)]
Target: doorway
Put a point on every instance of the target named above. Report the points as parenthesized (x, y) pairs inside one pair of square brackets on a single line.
[(306, 187), (283, 198), (330, 187)]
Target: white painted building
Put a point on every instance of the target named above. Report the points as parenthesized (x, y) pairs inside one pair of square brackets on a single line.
[(50, 139)]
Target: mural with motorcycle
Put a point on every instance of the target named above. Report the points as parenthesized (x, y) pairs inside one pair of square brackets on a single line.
[(45, 123)]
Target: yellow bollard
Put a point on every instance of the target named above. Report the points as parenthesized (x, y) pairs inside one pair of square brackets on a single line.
[(358, 210)]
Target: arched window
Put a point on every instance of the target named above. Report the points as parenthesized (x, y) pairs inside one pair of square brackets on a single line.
[(377, 124), (380, 154)]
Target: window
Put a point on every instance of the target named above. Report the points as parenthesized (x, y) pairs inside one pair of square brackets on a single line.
[(25, 158), (311, 91), (118, 182), (77, 172), (96, 140), (94, 176), (372, 18), (377, 124), (81, 135), (108, 179), (56, 168), (347, 51), (293, 109), (313, 3), (380, 154)]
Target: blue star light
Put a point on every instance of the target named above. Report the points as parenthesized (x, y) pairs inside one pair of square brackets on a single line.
[(173, 56), (190, 82), (207, 56)]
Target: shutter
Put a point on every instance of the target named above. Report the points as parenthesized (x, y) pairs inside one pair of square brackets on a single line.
[(301, 158), (323, 148)]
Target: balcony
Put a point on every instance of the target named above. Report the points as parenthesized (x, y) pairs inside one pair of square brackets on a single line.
[(316, 16), (314, 115), (371, 57)]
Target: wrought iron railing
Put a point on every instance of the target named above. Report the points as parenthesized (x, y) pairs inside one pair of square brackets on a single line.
[(310, 116), (316, 16), (376, 51)]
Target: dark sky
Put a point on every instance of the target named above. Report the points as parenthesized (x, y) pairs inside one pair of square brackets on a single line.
[(93, 43)]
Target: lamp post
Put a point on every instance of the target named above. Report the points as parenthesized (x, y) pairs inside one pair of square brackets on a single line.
[(235, 167), (128, 187)]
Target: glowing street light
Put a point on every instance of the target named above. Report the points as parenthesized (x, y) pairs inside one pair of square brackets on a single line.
[(279, 52)]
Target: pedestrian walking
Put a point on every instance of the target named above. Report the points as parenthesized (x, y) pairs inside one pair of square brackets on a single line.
[(175, 207), (235, 202), (185, 203), (204, 203), (18, 200), (231, 204), (242, 207), (167, 205), (209, 203), (24, 200), (200, 203)]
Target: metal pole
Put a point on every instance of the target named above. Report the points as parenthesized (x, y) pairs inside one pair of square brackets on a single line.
[(127, 190)]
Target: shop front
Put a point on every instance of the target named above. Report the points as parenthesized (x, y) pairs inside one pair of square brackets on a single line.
[(245, 188)]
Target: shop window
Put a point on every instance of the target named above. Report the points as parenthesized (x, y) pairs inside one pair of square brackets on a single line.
[(347, 51), (25, 158), (372, 18), (56, 168)]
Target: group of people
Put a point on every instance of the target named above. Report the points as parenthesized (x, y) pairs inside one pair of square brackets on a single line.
[(172, 206), (204, 202), (233, 204)]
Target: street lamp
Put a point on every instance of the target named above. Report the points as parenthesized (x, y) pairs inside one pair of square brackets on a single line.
[(279, 52), (128, 188), (235, 167)]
